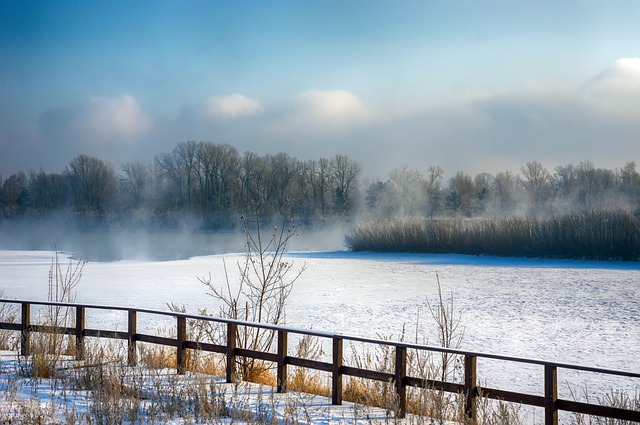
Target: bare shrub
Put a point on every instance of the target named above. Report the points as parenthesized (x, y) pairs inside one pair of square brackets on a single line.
[(614, 398), (116, 393), (302, 379), (266, 280), (196, 360), (369, 392), (47, 349), (498, 412), (156, 356)]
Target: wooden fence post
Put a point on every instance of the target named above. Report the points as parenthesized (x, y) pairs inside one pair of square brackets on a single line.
[(550, 395), (132, 353), (80, 317), (181, 335), (25, 330), (400, 375), (470, 388), (282, 364), (232, 332), (336, 375)]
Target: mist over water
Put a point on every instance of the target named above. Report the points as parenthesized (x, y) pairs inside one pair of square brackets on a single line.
[(114, 244)]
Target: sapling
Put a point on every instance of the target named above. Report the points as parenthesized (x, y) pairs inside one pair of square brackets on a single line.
[(266, 280), (48, 348)]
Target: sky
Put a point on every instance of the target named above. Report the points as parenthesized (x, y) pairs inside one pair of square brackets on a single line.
[(465, 85)]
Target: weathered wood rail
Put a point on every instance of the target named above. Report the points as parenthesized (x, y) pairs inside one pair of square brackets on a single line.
[(549, 401)]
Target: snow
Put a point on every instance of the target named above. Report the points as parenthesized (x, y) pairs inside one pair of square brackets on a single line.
[(58, 403), (578, 312)]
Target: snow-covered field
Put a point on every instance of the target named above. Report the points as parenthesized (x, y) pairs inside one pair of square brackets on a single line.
[(48, 401), (568, 311)]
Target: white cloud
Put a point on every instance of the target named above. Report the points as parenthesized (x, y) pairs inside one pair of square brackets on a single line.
[(624, 74), (118, 118), (616, 91), (337, 107), (555, 124), (315, 121), (231, 106)]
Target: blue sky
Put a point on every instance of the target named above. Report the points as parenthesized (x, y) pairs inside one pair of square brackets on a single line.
[(467, 85)]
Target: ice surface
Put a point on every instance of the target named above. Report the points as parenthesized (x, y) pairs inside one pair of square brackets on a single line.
[(568, 311)]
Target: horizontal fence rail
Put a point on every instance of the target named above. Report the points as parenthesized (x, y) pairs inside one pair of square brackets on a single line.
[(549, 401)]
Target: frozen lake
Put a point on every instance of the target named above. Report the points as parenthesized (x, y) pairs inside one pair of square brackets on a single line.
[(568, 311)]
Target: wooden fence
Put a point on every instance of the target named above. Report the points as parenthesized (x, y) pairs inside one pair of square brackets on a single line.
[(399, 378)]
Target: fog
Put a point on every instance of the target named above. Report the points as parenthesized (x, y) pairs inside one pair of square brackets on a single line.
[(113, 244)]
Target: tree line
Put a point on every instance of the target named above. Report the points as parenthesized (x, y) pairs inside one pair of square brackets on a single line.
[(214, 185), (535, 192)]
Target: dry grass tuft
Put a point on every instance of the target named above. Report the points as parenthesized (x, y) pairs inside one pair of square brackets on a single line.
[(8, 314), (157, 356)]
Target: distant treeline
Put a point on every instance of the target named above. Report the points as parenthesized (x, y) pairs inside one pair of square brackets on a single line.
[(209, 186), (593, 235), (212, 185)]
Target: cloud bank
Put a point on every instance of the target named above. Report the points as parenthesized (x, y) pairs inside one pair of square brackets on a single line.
[(616, 91), (109, 128), (231, 106), (97, 121), (118, 119), (328, 107), (598, 120)]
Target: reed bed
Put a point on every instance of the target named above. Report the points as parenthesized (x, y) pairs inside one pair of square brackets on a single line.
[(591, 235)]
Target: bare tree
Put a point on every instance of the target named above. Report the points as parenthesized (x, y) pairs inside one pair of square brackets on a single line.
[(450, 330), (136, 180), (483, 183), (228, 176), (253, 176), (38, 184), (13, 193), (346, 174), (171, 176), (283, 170), (597, 186), (206, 175), (92, 181), (461, 194), (505, 187), (630, 183), (432, 190), (324, 181), (266, 280), (565, 181), (217, 173), (47, 192), (536, 183), (185, 157), (407, 184), (306, 191), (381, 200), (179, 167)]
